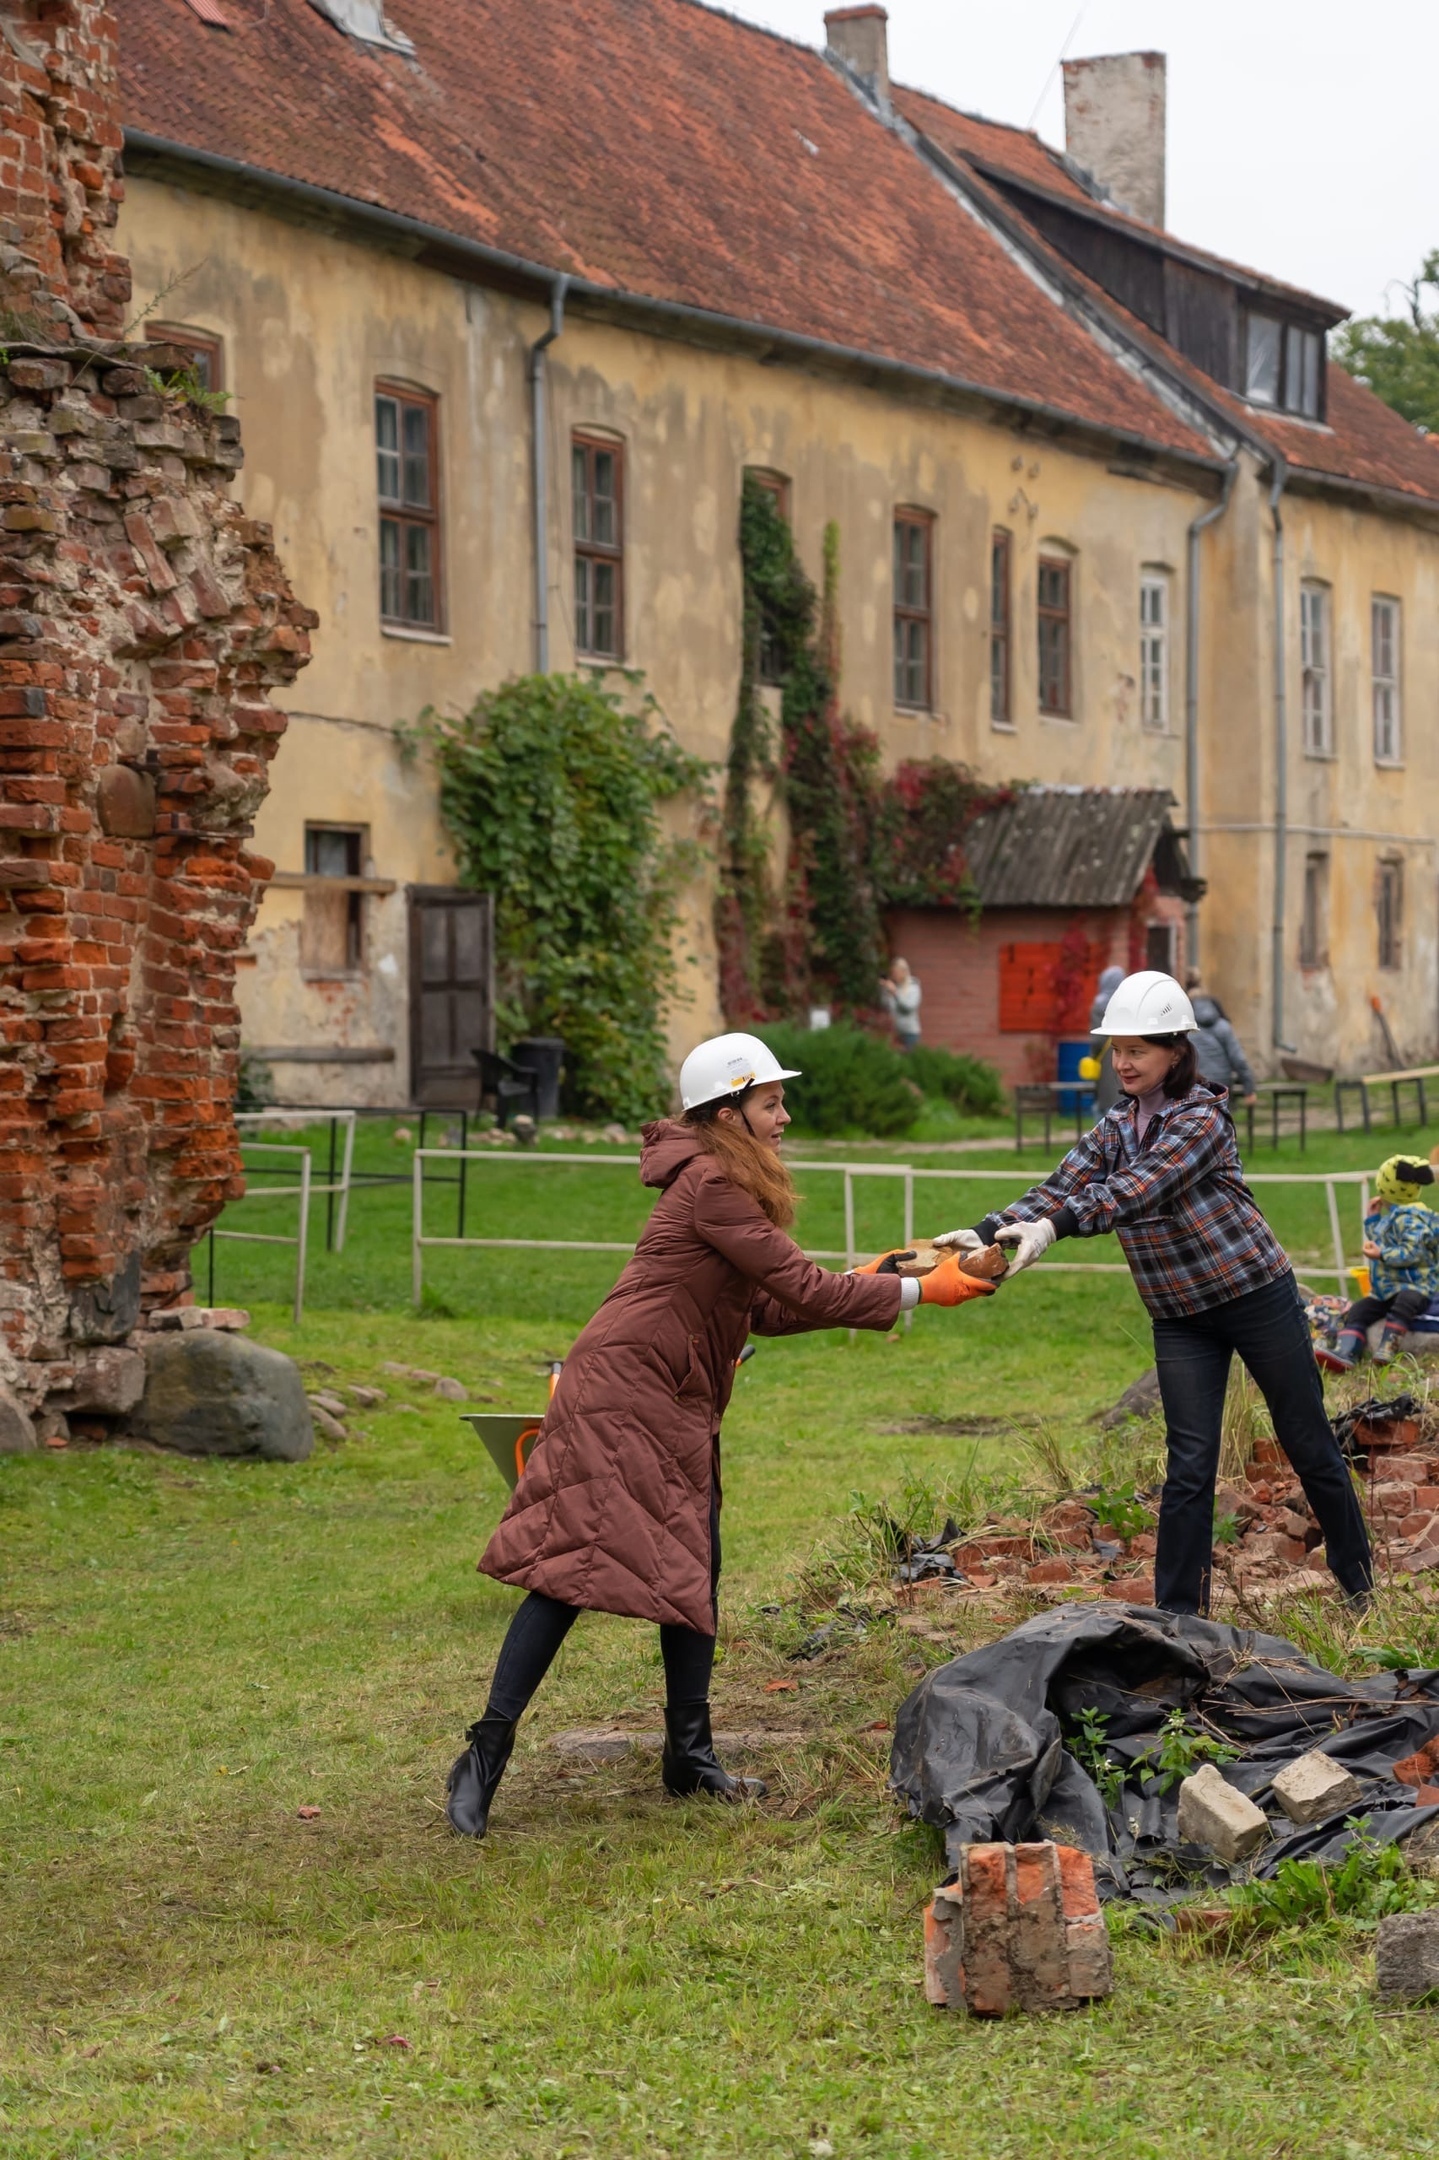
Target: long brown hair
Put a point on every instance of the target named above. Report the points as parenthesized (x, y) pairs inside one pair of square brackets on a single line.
[(746, 1162)]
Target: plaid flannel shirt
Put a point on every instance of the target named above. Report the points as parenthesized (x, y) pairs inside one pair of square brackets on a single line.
[(1177, 1201)]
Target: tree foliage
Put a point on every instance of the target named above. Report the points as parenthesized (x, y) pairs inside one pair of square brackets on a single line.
[(1398, 355), (551, 789)]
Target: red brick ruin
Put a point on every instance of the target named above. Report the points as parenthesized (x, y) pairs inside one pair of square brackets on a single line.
[(143, 622)]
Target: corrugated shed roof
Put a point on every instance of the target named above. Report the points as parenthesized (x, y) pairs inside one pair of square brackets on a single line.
[(1067, 847), (653, 147)]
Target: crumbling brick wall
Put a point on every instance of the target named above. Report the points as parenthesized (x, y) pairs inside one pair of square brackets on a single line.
[(143, 622)]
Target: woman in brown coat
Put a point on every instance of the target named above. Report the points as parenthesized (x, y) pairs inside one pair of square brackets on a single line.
[(618, 1507)]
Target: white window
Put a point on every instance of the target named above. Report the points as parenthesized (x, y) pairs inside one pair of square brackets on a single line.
[(1262, 360), (1384, 636), (1154, 651), (1314, 660)]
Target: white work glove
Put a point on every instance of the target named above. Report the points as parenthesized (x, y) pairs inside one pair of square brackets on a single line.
[(1029, 1242), (961, 1241)]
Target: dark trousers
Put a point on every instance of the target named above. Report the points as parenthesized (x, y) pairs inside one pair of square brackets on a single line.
[(533, 1638), (1266, 1328), (1401, 1305)]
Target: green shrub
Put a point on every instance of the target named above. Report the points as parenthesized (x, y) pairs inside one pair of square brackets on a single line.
[(551, 789), (848, 1081), (968, 1082)]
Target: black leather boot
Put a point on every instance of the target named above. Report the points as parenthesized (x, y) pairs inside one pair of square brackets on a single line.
[(472, 1783), (690, 1764)]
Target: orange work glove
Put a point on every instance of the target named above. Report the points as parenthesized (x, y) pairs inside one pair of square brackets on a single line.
[(949, 1285), (887, 1263)]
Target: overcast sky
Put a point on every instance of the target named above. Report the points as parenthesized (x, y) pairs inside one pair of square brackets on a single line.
[(1302, 135)]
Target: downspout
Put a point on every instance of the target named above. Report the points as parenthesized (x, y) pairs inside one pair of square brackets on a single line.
[(539, 438), (1206, 518), (1281, 755)]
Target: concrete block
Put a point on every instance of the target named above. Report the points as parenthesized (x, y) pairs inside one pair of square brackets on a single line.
[(1406, 1956), (1020, 1929), (1212, 1813), (1316, 1786)]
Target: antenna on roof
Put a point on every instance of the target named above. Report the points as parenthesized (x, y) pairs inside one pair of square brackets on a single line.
[(1059, 59)]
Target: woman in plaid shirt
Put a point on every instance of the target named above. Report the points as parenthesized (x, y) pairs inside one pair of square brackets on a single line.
[(1161, 1170)]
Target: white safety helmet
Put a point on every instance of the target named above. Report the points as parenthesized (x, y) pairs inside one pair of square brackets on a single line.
[(725, 1066), (1148, 1003)]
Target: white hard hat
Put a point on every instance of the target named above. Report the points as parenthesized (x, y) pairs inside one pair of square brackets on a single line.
[(1148, 1003), (725, 1066)]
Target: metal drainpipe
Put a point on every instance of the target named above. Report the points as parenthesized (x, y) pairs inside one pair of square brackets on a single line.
[(1191, 701), (1281, 756), (539, 433)]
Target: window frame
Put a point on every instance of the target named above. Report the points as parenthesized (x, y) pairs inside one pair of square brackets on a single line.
[(591, 442), (1064, 617), (1387, 686), (1297, 345), (1316, 668), (1001, 628), (907, 615), (1314, 912), (1389, 908), (321, 886), (1154, 636), (206, 343), (405, 516)]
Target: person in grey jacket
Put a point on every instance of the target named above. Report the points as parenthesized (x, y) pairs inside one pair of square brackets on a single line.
[(1106, 1091), (1217, 1049)]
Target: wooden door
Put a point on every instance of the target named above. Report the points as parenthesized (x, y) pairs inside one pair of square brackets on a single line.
[(452, 993)]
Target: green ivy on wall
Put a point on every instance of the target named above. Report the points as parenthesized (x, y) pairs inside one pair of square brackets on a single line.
[(551, 789), (858, 842), (821, 935)]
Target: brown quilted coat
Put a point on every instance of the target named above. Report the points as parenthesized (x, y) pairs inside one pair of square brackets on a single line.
[(613, 1510)]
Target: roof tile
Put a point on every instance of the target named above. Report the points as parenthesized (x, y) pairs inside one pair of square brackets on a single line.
[(654, 147)]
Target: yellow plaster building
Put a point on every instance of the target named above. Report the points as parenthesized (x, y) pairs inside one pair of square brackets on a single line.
[(1088, 482)]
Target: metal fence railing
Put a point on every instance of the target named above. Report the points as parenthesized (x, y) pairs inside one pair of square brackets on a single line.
[(339, 1176), (300, 1190), (905, 1174)]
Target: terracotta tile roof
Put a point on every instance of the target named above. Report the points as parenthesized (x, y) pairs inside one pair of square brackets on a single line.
[(655, 147), (1364, 441), (1019, 155)]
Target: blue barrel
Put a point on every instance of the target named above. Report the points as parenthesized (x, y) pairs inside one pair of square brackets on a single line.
[(1070, 1100)]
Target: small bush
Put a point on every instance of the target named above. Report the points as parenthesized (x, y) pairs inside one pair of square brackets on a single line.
[(848, 1081), (967, 1082)]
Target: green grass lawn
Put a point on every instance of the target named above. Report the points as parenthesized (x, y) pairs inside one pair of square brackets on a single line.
[(192, 1651)]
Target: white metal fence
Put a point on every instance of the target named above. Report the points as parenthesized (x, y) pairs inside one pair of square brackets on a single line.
[(905, 1173), (300, 1191), (265, 1120)]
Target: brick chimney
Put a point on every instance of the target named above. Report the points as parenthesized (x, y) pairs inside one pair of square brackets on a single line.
[(1114, 127), (859, 37)]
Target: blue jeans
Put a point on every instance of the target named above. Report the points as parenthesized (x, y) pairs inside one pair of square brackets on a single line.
[(1192, 1353)]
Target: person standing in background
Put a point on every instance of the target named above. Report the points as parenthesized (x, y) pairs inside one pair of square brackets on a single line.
[(901, 994), (1106, 1092), (1217, 1049)]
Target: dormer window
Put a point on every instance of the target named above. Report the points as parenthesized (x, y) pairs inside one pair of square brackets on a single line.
[(1284, 366)]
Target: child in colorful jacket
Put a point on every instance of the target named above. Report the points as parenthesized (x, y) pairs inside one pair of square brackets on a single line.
[(1401, 1244)]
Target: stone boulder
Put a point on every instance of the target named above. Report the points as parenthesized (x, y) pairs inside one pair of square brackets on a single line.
[(17, 1430), (108, 1383), (214, 1393)]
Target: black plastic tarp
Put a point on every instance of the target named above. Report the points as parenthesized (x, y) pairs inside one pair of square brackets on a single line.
[(980, 1746)]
